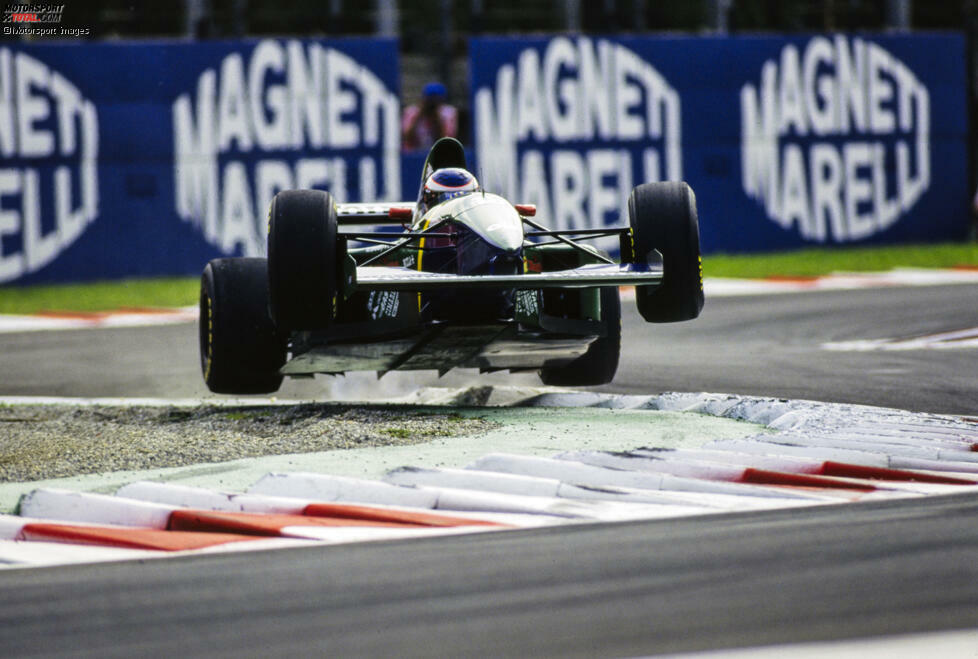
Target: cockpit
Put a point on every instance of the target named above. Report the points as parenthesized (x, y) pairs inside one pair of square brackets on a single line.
[(444, 184)]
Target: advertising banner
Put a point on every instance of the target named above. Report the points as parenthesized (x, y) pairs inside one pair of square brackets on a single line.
[(809, 140), (124, 160), (142, 159)]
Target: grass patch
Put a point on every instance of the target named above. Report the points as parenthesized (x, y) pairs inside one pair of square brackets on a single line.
[(101, 296), (814, 262), (183, 291)]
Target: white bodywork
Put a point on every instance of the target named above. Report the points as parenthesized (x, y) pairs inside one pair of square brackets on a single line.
[(489, 215)]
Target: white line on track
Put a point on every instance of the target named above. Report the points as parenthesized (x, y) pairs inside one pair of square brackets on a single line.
[(96, 320), (962, 643), (898, 277), (956, 340)]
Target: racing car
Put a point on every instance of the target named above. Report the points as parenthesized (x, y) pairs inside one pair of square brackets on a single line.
[(470, 280)]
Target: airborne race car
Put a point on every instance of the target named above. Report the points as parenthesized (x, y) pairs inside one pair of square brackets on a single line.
[(472, 282)]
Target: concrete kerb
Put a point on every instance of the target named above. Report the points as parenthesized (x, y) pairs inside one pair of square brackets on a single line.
[(543, 422), (533, 421)]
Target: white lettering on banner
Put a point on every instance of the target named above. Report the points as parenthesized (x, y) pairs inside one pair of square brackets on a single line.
[(573, 93), (237, 137), (49, 146), (835, 139)]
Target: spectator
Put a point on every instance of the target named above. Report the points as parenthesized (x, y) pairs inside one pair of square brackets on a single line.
[(425, 122)]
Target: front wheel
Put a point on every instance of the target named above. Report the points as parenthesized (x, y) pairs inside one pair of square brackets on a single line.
[(600, 363), (302, 260), (240, 350), (663, 217)]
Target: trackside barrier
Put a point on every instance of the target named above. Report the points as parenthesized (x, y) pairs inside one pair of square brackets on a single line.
[(137, 159), (140, 159), (788, 141)]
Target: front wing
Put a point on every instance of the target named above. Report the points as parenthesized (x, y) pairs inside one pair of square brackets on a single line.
[(388, 278)]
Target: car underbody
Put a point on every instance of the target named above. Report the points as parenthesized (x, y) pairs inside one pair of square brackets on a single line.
[(439, 346)]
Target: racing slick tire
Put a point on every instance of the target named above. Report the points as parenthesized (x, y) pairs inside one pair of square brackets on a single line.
[(599, 364), (663, 217), (240, 350), (302, 262)]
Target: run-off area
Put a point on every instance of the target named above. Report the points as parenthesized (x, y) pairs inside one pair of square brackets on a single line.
[(548, 457)]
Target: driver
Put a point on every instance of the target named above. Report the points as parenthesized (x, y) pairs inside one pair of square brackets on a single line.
[(446, 183)]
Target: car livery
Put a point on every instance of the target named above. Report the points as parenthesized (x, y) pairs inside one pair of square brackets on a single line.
[(471, 280)]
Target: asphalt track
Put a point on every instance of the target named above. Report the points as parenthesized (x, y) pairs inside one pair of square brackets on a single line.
[(627, 589), (763, 345), (772, 346), (603, 590)]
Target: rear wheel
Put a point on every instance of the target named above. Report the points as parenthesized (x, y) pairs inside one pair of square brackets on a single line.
[(302, 261), (663, 218), (599, 364), (240, 351)]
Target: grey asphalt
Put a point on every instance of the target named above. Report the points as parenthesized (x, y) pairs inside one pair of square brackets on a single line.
[(771, 346), (604, 590), (630, 589), (767, 346)]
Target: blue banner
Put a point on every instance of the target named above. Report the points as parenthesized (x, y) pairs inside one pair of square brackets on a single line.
[(128, 160), (125, 160), (787, 141)]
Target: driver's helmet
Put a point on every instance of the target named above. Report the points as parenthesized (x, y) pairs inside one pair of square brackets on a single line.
[(446, 183)]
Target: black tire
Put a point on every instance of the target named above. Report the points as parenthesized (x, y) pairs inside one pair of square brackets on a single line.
[(600, 363), (663, 217), (302, 263), (240, 351)]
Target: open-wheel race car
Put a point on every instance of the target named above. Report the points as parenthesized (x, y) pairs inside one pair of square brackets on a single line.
[(472, 281)]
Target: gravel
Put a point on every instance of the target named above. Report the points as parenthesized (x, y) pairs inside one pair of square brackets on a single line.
[(52, 441)]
